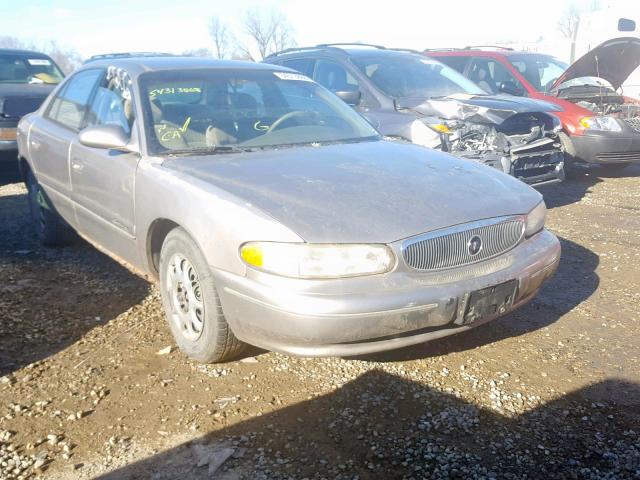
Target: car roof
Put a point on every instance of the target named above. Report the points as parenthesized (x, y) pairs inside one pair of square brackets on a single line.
[(138, 65), (477, 52), (355, 50), (18, 51)]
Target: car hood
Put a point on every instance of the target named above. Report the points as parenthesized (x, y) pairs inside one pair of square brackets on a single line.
[(613, 60), (370, 192), (488, 109), (18, 99)]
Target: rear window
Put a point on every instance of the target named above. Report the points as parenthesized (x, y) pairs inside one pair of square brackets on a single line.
[(24, 68)]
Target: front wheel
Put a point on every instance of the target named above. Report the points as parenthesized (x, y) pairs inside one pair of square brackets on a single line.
[(50, 228), (192, 304)]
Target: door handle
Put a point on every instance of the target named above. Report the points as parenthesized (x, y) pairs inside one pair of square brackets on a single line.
[(35, 144), (78, 167)]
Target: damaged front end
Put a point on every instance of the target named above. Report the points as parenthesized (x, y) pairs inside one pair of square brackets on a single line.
[(519, 142)]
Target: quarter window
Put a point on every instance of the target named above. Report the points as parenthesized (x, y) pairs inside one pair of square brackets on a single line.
[(70, 105)]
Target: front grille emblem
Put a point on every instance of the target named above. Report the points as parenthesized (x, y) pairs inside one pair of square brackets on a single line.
[(474, 245)]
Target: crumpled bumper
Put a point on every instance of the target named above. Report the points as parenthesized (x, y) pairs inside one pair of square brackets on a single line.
[(370, 314)]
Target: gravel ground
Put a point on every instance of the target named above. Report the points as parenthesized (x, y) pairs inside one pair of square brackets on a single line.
[(91, 384)]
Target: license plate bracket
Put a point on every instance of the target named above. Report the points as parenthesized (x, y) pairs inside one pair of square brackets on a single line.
[(490, 301)]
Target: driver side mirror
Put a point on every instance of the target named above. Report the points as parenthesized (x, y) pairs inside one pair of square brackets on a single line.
[(510, 88), (109, 137), (626, 25), (349, 96)]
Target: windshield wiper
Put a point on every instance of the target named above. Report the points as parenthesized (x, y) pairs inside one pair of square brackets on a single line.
[(207, 150)]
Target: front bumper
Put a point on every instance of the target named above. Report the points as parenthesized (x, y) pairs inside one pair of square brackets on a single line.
[(533, 168), (607, 147), (370, 314)]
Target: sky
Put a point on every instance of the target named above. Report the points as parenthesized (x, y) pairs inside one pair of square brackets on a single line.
[(93, 27)]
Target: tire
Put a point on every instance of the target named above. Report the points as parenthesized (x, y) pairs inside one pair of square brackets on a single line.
[(193, 307), (50, 228)]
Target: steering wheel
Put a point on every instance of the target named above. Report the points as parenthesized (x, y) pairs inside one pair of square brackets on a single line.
[(294, 114)]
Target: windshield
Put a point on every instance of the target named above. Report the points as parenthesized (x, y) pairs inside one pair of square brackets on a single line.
[(209, 109), (28, 69), (541, 71), (410, 76)]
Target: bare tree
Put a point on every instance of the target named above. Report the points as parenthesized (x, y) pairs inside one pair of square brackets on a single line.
[(13, 42), (569, 23), (198, 52), (67, 59), (269, 31), (222, 37)]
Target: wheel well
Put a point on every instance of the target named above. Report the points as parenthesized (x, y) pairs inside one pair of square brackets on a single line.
[(158, 231)]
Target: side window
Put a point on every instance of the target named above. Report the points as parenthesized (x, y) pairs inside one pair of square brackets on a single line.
[(302, 65), (109, 107), (334, 77), (489, 74), (70, 105), (457, 63)]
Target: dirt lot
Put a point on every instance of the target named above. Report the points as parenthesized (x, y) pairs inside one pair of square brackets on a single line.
[(551, 391)]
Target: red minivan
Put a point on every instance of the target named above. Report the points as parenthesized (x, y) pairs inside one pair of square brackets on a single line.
[(601, 125)]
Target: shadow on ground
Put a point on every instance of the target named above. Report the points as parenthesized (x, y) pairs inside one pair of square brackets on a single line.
[(580, 180), (381, 426), (8, 168), (49, 298)]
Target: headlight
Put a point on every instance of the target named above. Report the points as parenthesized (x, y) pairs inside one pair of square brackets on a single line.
[(535, 220), (605, 124), (304, 260), (423, 135)]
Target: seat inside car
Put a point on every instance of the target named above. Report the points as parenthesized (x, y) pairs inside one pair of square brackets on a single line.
[(481, 75)]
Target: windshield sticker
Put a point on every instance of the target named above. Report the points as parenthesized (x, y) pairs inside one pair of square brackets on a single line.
[(38, 61), (156, 92), (292, 76)]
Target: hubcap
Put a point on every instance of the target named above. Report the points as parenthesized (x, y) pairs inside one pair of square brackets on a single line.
[(185, 294)]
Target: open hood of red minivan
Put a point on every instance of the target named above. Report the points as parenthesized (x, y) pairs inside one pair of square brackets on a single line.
[(613, 60)]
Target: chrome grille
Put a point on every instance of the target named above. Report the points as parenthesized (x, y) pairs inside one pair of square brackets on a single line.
[(449, 248), (634, 123)]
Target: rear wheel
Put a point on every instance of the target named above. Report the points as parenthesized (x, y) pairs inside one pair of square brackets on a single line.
[(192, 304), (50, 228)]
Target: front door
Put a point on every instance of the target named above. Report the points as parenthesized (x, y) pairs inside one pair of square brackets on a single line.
[(103, 180)]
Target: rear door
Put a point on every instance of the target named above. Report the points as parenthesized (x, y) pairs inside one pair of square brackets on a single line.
[(103, 180), (51, 136)]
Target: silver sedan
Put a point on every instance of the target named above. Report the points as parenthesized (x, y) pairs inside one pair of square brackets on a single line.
[(272, 214)]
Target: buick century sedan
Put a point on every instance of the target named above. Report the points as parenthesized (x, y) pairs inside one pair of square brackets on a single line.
[(273, 214)]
